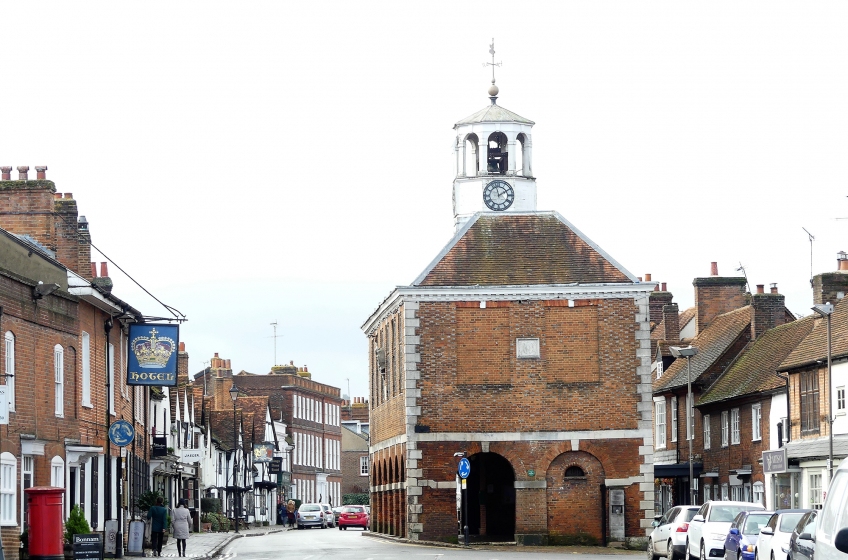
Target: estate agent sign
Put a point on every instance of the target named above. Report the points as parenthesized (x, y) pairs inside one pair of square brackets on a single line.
[(774, 462)]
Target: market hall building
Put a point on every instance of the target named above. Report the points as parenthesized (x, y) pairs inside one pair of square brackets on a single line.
[(525, 346)]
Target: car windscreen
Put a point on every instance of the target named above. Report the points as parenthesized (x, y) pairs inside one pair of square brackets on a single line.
[(725, 513), (754, 523), (788, 521), (310, 508), (353, 510)]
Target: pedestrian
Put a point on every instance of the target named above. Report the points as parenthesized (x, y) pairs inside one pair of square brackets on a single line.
[(157, 515), (290, 512), (181, 520)]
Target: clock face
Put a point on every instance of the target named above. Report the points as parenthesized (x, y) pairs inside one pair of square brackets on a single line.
[(498, 195)]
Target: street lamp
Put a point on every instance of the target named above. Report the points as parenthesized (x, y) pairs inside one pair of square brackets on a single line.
[(463, 494), (687, 352), (826, 310), (234, 395)]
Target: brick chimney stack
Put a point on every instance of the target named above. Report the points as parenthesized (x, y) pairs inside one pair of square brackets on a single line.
[(767, 310), (6, 173), (716, 295), (40, 172), (832, 286), (671, 320), (22, 172), (658, 299)]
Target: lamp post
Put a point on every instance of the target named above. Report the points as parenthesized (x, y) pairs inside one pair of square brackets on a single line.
[(687, 352), (463, 494), (826, 311), (234, 395)]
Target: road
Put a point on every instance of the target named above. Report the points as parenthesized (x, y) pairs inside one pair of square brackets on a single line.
[(318, 544)]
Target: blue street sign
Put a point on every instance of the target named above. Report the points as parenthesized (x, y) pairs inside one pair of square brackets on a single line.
[(464, 468), (121, 433)]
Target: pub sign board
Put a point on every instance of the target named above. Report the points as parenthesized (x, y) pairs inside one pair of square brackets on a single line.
[(152, 352), (160, 447), (88, 547), (275, 466), (774, 462)]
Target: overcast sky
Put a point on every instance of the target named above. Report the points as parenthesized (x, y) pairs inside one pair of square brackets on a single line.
[(251, 162)]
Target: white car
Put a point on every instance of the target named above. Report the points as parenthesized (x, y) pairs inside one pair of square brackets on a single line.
[(329, 516), (831, 539), (710, 526), (669, 535), (773, 543)]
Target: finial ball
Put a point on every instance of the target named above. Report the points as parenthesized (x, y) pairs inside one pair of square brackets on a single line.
[(493, 90)]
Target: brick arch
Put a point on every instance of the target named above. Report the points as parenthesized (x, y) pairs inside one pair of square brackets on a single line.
[(574, 502)]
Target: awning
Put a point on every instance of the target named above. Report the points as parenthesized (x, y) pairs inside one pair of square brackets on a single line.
[(677, 469), (711, 474)]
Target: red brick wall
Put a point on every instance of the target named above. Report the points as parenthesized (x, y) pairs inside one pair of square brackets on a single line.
[(715, 296), (388, 405)]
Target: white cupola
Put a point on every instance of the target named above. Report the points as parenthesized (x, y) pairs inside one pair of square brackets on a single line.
[(494, 162)]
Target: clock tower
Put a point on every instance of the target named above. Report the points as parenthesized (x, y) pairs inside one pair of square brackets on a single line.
[(494, 162)]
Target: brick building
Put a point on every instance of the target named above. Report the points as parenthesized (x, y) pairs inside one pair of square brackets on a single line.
[(524, 346), (355, 462)]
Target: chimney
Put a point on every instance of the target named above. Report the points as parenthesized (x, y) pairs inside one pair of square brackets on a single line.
[(671, 318), (6, 173), (767, 310), (104, 271), (832, 286), (182, 346), (22, 172), (662, 287), (40, 172), (761, 288), (773, 287), (716, 295), (94, 270), (104, 281), (656, 301), (647, 277), (57, 196), (69, 196)]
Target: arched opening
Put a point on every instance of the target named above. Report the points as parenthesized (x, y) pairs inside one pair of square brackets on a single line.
[(575, 483), (470, 165), (497, 157), (519, 154), (491, 498), (574, 472)]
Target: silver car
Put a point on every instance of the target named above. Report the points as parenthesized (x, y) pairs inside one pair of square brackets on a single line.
[(669, 535), (310, 515), (329, 515)]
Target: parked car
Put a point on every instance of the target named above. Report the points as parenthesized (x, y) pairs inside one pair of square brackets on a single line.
[(329, 515), (831, 538), (741, 541), (310, 515), (709, 528), (801, 545), (354, 516), (773, 543), (669, 535)]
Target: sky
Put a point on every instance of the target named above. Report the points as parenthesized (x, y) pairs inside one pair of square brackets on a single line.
[(292, 162)]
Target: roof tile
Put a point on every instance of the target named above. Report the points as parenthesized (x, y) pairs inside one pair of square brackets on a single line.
[(814, 347)]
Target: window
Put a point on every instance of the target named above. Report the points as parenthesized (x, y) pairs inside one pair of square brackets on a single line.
[(659, 413), (673, 418), (809, 381), (840, 399), (57, 472), (8, 485), (724, 494), (707, 489), (86, 369), (706, 431), (816, 491), (659, 368), (363, 466), (734, 426), (112, 379), (59, 379), (756, 417), (574, 472), (758, 493), (10, 369), (725, 435)]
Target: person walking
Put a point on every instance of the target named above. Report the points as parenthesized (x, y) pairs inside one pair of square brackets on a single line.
[(157, 515), (181, 520), (290, 512)]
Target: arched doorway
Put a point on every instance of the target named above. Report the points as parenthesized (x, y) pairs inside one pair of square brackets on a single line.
[(491, 498), (574, 487)]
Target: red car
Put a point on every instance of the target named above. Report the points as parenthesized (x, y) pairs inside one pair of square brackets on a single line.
[(353, 516)]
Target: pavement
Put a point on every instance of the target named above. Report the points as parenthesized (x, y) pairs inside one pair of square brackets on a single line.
[(210, 545)]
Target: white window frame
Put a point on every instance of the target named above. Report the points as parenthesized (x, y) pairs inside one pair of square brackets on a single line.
[(59, 380), (816, 490), (9, 360), (673, 419), (659, 422), (724, 492), (85, 362), (707, 434), (735, 428), (8, 489), (112, 379), (659, 368), (840, 400), (725, 428), (57, 472), (756, 422), (759, 493), (363, 465)]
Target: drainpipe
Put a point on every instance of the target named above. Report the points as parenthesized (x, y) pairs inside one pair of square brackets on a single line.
[(788, 409)]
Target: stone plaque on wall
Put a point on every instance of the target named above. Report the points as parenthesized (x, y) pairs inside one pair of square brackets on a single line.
[(527, 348)]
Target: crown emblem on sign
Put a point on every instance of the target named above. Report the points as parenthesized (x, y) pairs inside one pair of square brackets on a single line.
[(153, 352)]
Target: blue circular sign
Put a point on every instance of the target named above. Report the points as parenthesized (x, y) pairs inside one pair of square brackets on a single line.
[(121, 433), (464, 468)]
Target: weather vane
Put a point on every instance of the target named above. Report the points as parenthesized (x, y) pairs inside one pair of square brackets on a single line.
[(493, 63)]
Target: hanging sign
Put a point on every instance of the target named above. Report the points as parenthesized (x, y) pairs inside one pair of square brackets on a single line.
[(276, 466), (774, 462), (191, 455), (159, 447), (121, 433), (263, 452), (152, 354)]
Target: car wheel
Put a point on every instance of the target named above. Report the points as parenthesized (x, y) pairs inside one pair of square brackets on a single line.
[(703, 552), (650, 550), (340, 527), (669, 548)]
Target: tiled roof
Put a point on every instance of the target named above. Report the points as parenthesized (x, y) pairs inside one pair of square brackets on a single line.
[(521, 249), (755, 369), (711, 343), (685, 316), (814, 347), (494, 113), (221, 426)]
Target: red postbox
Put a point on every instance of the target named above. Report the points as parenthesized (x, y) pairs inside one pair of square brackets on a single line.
[(46, 528)]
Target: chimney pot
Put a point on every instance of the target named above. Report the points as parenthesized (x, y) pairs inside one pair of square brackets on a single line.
[(305, 368), (761, 288), (663, 287), (657, 288), (69, 196), (94, 270), (773, 287), (6, 173), (647, 277), (228, 364), (216, 354), (639, 278), (57, 196), (22, 172), (841, 260), (182, 346), (104, 271), (41, 171), (713, 269)]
